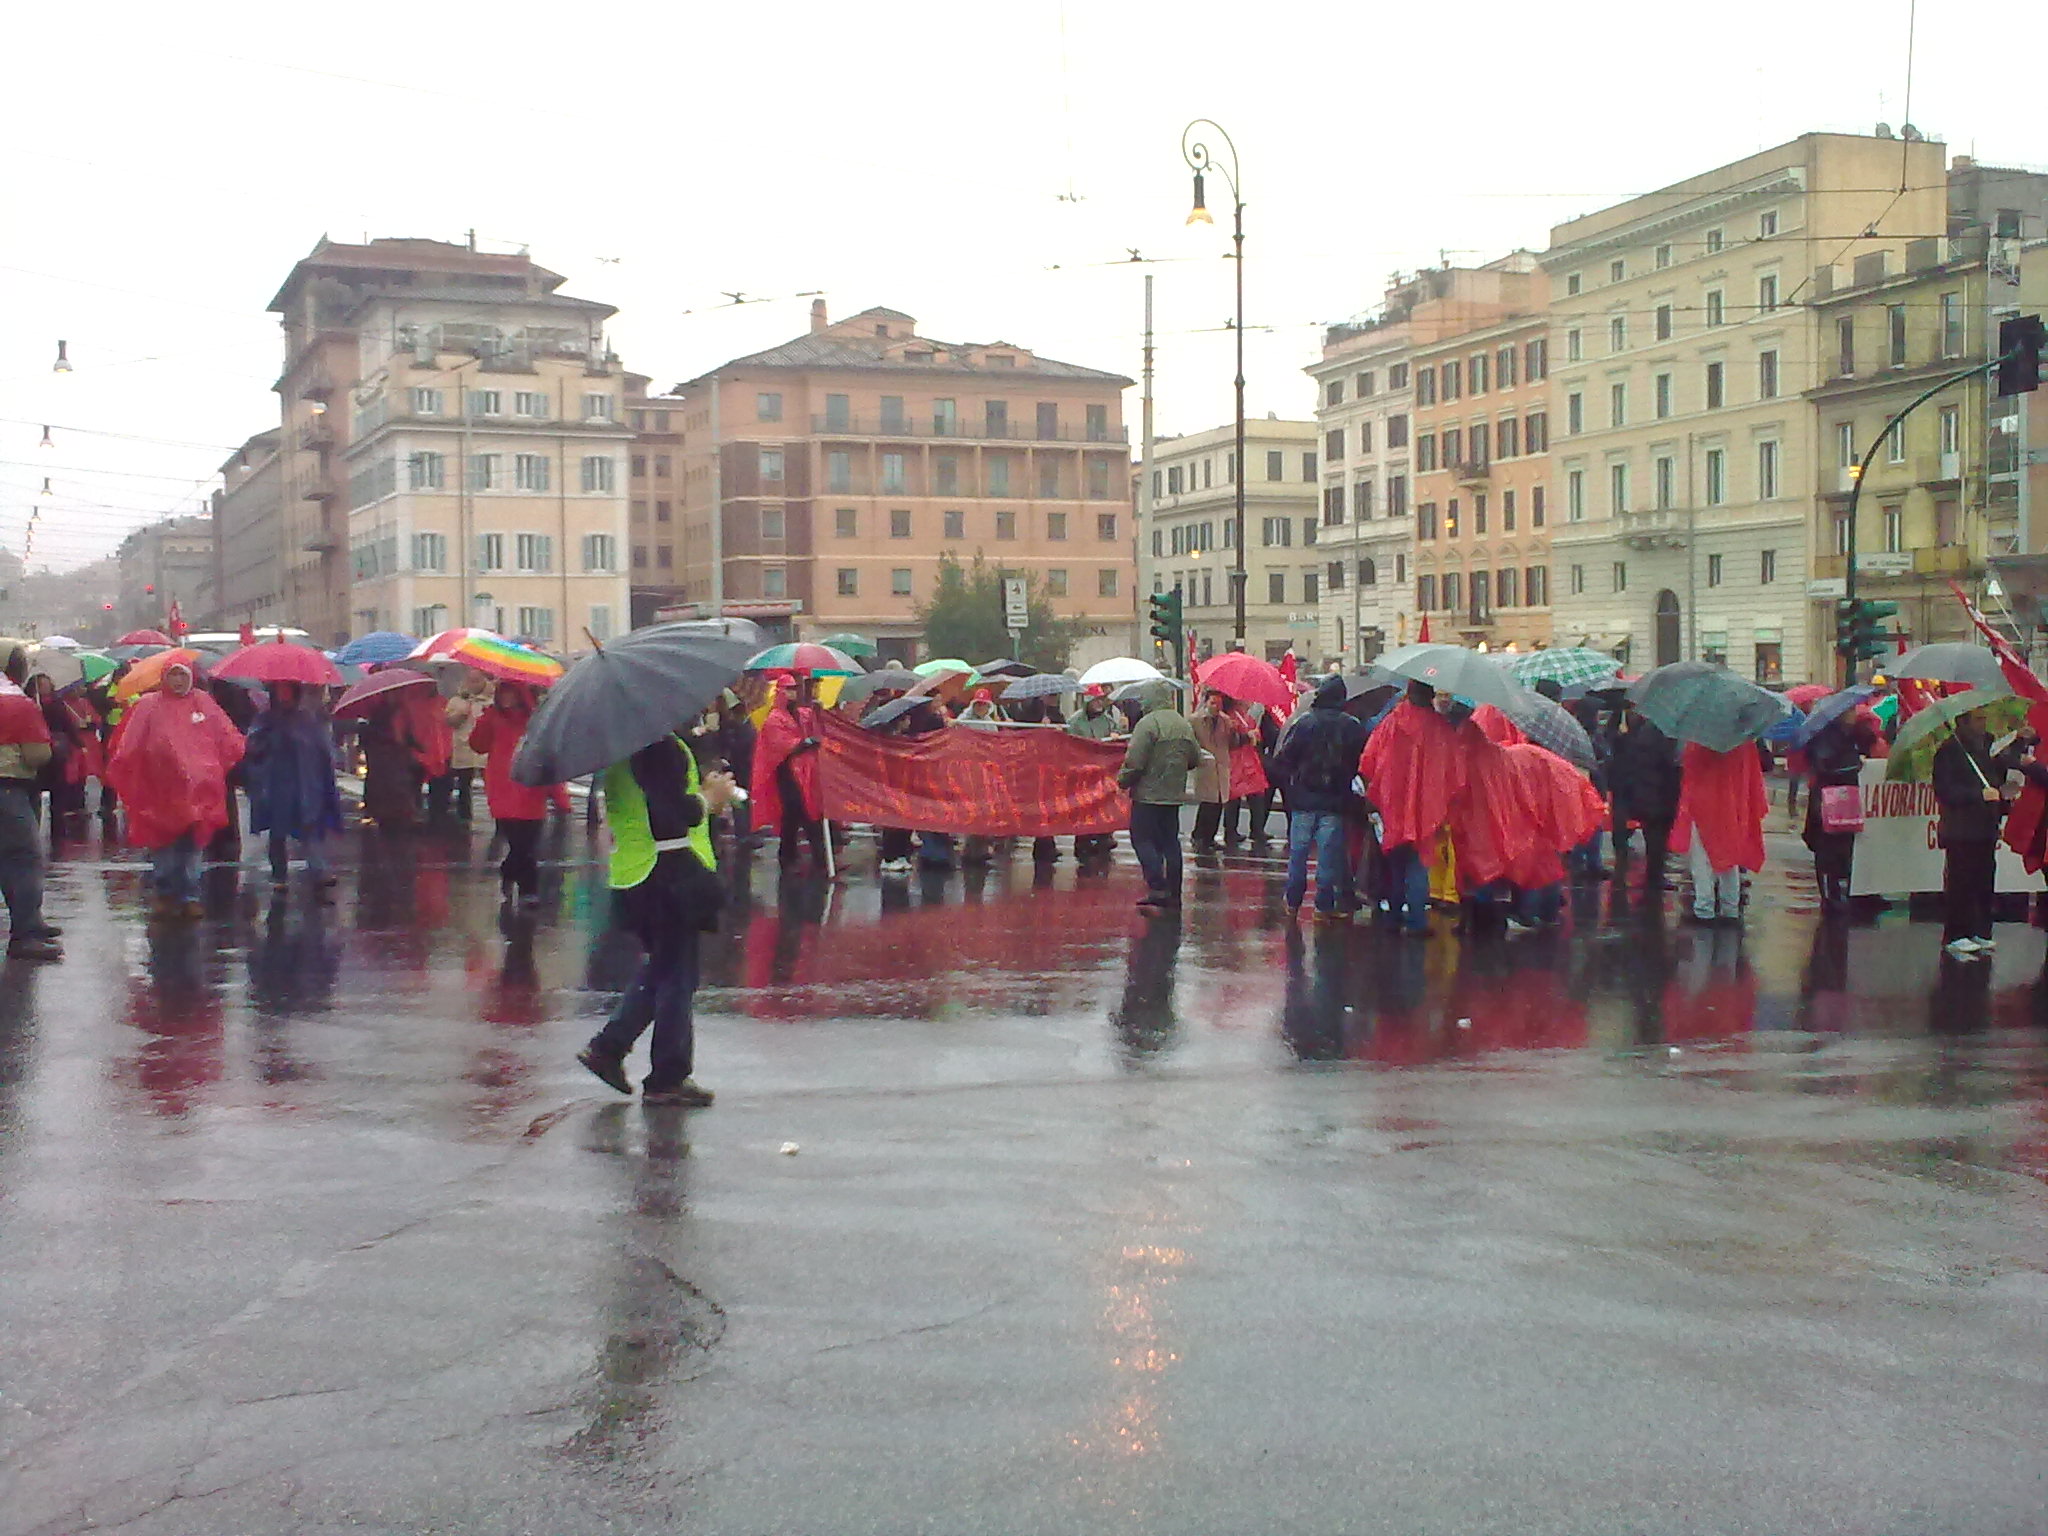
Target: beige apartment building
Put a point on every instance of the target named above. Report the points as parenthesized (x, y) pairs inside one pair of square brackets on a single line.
[(251, 554), (457, 446), (1191, 543), (1482, 466), (845, 463), (1684, 448), (1364, 401)]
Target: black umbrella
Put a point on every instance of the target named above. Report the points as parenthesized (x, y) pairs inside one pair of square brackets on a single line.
[(625, 695), (1002, 666), (894, 710)]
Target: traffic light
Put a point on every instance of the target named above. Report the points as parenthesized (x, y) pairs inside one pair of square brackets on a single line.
[(1166, 619), (2020, 340), (1856, 632)]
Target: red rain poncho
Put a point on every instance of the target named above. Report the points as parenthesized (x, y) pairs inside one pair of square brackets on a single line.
[(1563, 809), (780, 735), (1413, 767), (1247, 768), (1491, 826), (426, 717), (497, 734), (1722, 794), (170, 765), (1497, 727)]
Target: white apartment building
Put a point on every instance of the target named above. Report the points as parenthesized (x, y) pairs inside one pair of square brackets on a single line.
[(1683, 447), (1364, 404), (488, 472), (1191, 537)]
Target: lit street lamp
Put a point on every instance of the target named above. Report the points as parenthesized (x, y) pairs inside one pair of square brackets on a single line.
[(1199, 159)]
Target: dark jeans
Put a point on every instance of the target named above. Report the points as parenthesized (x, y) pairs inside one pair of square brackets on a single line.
[(1407, 888), (1656, 845), (1155, 838), (1258, 809), (457, 784), (1327, 834), (281, 860), (520, 869), (21, 859), (660, 995), (174, 870), (1969, 876), (896, 843), (1208, 817), (795, 824)]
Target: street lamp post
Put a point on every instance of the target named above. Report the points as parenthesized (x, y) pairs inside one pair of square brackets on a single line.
[(1201, 161)]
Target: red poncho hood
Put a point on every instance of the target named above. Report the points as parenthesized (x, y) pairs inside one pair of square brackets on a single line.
[(1722, 795), (1413, 767), (169, 764), (778, 738)]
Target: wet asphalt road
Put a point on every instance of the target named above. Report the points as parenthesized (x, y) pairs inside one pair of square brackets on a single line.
[(1098, 1223)]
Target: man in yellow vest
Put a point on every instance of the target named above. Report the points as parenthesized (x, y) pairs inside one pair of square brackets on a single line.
[(664, 874)]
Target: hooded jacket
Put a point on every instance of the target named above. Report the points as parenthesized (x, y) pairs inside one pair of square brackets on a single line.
[(1318, 757)]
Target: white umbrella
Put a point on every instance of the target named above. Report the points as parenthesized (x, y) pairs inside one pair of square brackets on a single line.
[(1120, 669), (61, 643), (61, 667)]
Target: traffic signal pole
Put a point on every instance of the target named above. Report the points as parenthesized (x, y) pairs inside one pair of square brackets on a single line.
[(1848, 656)]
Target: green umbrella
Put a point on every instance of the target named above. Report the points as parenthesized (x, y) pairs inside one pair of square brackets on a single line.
[(853, 645), (1700, 702), (1565, 665), (1912, 755), (943, 664)]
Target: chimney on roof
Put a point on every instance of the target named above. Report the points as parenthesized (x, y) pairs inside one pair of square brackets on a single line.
[(818, 321)]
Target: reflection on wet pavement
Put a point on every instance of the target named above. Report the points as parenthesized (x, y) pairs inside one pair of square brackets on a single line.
[(1089, 1206)]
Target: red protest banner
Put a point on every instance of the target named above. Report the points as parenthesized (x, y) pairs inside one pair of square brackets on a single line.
[(1022, 782)]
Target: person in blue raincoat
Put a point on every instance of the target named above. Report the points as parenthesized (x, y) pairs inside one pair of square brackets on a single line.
[(290, 767)]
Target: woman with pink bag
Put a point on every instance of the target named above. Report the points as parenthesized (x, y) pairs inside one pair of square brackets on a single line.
[(1834, 809)]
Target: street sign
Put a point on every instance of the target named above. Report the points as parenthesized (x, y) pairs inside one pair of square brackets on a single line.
[(1885, 564), (1827, 586), (1016, 605)]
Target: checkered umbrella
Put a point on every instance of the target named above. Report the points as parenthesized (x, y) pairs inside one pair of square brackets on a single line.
[(1044, 685), (1566, 665), (1550, 725), (1700, 702)]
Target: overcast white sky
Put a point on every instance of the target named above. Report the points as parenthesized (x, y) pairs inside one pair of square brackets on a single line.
[(167, 165)]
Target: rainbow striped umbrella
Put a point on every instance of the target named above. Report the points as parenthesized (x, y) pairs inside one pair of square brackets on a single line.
[(808, 657), (491, 654)]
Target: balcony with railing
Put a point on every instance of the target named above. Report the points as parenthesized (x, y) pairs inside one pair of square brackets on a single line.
[(1653, 528), (834, 425), (1472, 471), (1937, 468), (317, 435)]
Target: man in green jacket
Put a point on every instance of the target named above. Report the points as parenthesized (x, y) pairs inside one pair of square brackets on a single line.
[(1162, 753)]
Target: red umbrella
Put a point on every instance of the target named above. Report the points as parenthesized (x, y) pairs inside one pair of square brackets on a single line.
[(377, 686), (1243, 676), (274, 661), (145, 637)]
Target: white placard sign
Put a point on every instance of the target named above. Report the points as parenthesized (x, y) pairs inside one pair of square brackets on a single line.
[(1896, 852)]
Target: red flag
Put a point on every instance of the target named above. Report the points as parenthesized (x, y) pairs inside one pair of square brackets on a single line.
[(248, 635), (1422, 634), (1290, 668), (1191, 655), (174, 621), (2017, 673)]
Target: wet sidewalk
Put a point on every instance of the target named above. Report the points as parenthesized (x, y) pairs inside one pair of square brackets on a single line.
[(1095, 1222)]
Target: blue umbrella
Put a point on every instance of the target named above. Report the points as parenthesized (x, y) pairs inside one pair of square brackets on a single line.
[(1827, 711), (375, 649)]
